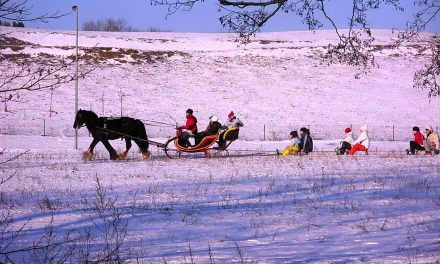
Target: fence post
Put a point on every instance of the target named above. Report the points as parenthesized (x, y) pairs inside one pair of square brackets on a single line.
[(264, 132), (393, 132), (44, 127)]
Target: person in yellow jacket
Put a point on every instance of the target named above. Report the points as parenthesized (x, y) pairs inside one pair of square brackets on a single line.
[(431, 143), (293, 147)]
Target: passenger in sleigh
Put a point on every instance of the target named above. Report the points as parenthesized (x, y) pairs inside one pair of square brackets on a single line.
[(233, 123), (212, 129), (188, 130)]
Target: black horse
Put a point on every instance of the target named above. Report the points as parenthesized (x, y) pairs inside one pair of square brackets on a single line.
[(104, 129)]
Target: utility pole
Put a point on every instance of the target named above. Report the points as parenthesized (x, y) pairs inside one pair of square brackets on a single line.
[(75, 9)]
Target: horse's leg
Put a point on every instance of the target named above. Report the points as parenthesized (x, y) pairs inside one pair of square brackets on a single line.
[(123, 155), (110, 149), (88, 154), (142, 140), (143, 146)]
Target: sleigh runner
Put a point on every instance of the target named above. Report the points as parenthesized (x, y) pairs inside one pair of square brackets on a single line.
[(174, 148)]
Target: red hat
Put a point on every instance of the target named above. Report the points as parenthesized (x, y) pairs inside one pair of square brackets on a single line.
[(231, 115), (347, 130)]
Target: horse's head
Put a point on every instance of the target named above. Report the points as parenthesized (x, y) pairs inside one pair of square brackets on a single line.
[(87, 118), (79, 120)]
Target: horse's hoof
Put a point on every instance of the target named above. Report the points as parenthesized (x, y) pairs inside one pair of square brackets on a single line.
[(87, 155), (122, 155), (146, 155)]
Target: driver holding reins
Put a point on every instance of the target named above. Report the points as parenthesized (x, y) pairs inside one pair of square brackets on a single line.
[(189, 129)]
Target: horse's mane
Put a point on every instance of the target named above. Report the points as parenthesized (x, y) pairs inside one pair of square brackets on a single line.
[(88, 113)]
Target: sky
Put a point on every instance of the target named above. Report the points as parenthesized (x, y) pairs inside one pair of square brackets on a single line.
[(203, 17)]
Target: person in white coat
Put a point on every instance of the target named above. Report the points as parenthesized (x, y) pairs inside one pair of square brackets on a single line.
[(431, 143), (347, 143), (362, 143), (233, 123)]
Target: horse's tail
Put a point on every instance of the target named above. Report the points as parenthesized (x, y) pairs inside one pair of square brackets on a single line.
[(141, 134)]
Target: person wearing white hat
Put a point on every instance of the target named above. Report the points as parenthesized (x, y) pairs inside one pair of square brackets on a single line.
[(213, 128), (431, 143), (362, 143)]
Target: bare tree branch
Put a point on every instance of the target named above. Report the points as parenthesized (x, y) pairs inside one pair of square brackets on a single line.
[(247, 23), (243, 4), (354, 48), (428, 12), (20, 11), (22, 72), (427, 77), (44, 76), (31, 76), (12, 158)]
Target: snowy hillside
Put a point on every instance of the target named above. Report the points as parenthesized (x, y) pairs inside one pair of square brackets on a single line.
[(279, 81)]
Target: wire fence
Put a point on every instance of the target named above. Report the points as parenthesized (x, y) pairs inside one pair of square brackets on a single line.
[(331, 132), (57, 128)]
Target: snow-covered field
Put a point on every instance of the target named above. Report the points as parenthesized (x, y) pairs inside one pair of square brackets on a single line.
[(382, 208), (321, 208)]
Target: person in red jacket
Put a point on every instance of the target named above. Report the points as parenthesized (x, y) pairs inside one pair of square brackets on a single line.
[(191, 123), (417, 143), (187, 130)]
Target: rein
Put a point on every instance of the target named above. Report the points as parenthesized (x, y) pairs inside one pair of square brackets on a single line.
[(156, 123), (132, 137)]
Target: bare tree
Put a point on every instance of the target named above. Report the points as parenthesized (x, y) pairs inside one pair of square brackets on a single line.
[(157, 29), (108, 24), (354, 47), (23, 73)]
